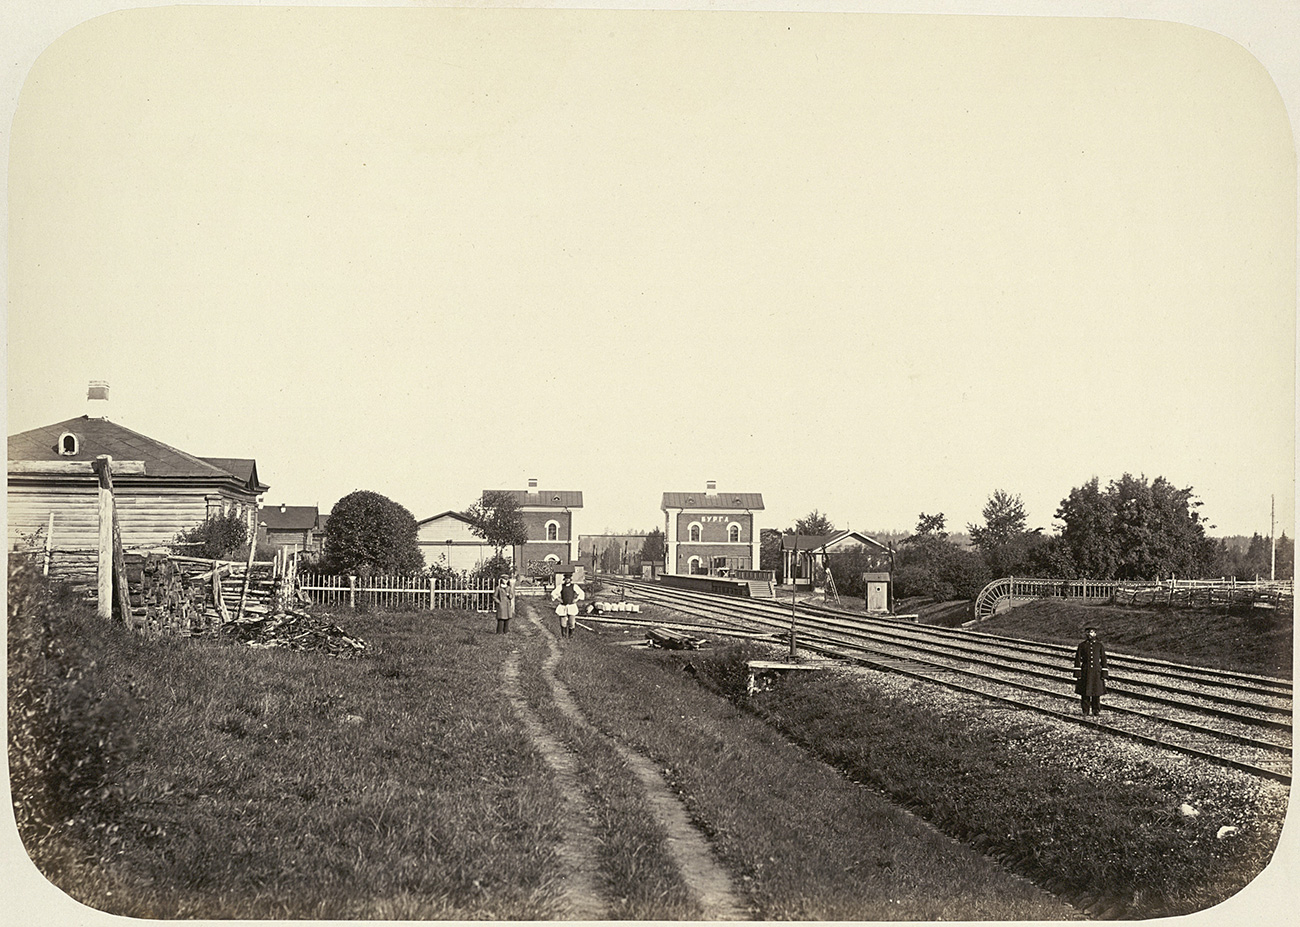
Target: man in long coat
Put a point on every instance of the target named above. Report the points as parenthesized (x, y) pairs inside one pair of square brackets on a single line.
[(1090, 672)]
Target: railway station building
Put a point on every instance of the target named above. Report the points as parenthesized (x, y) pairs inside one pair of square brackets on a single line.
[(711, 532), (548, 515)]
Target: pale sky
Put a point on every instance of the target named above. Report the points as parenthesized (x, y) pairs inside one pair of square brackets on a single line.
[(872, 265)]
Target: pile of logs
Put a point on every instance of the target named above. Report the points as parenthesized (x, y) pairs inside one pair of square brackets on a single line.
[(669, 639), (191, 595)]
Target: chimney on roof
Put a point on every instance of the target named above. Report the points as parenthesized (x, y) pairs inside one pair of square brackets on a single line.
[(97, 399), (711, 486), (282, 508), (532, 485)]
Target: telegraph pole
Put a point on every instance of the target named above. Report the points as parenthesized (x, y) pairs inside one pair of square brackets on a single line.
[(794, 590), (1272, 538)]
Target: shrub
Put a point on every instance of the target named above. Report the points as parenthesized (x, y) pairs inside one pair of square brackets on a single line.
[(63, 740), (221, 537)]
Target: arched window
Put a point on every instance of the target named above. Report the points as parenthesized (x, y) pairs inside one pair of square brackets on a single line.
[(693, 533), (552, 531), (694, 565), (733, 533), (551, 558), (67, 444)]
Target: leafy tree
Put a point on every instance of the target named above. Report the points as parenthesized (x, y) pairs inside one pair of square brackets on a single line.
[(371, 534), (221, 537), (1002, 540), (931, 526), (769, 551), (814, 523), (496, 518), (652, 548), (1285, 557), (1004, 520), (1135, 529)]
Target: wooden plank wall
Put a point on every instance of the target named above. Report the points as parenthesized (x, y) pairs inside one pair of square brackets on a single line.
[(147, 519)]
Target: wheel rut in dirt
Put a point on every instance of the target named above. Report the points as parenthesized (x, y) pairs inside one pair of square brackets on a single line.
[(581, 898), (690, 851)]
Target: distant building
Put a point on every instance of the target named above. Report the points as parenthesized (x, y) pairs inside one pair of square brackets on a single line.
[(548, 516), (448, 539), (611, 553), (291, 527), (711, 532), (49, 471), (814, 549)]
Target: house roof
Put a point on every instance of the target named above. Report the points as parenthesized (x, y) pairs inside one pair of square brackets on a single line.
[(288, 517), (459, 516), (97, 436), (565, 498), (242, 468), (818, 541), (722, 500)]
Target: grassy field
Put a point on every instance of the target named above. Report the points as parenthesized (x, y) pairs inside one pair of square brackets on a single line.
[(183, 778), (1248, 640)]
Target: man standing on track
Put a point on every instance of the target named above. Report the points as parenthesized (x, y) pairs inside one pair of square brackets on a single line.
[(1090, 672)]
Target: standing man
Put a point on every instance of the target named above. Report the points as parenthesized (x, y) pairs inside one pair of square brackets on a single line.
[(1090, 672), (568, 594), (505, 605)]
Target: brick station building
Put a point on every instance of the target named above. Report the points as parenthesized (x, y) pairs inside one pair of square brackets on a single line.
[(548, 515), (710, 532)]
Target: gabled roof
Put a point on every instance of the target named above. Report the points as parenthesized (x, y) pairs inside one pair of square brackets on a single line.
[(565, 498), (722, 500), (288, 517), (818, 541), (97, 436), (242, 468), (459, 516)]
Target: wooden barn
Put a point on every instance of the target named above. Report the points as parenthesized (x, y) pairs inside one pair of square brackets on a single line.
[(290, 527), (51, 483)]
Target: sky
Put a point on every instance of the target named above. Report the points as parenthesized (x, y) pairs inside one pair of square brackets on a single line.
[(870, 265)]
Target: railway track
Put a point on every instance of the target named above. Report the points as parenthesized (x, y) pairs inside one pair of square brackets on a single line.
[(1233, 719)]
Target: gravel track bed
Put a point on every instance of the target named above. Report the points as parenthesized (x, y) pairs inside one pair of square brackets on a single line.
[(1231, 797)]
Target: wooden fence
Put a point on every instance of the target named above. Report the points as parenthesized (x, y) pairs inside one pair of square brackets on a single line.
[(420, 592)]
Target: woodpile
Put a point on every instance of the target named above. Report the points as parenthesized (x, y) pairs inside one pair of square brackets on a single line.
[(669, 639)]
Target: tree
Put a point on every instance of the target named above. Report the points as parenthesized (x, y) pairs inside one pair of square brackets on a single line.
[(815, 524), (1135, 529), (769, 551), (371, 534), (652, 548), (1002, 540), (931, 526), (1004, 520), (496, 518)]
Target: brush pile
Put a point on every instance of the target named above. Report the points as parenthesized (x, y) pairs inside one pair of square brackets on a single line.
[(294, 629)]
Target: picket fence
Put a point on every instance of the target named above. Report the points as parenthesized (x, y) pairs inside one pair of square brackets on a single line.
[(397, 592)]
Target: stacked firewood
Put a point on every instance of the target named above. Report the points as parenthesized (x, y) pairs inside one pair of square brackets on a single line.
[(294, 629)]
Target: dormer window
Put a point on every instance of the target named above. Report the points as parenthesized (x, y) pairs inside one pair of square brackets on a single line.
[(68, 444)]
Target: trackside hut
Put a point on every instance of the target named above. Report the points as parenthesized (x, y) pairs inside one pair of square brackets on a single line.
[(290, 527), (814, 549), (710, 532), (49, 472)]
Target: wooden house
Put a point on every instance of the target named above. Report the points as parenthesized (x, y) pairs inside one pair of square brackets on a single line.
[(50, 475), (448, 539), (290, 527)]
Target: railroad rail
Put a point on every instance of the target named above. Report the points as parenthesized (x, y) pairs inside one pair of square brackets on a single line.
[(1235, 719)]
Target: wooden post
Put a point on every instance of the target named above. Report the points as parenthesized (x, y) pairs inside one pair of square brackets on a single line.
[(352, 592), (49, 544), (794, 592), (432, 582), (104, 572), (248, 575), (120, 587)]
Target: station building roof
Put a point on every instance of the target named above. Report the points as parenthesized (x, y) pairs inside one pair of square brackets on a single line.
[(740, 501)]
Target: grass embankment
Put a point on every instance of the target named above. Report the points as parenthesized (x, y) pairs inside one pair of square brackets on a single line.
[(801, 840), (1247, 640), (1096, 822), (244, 783)]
